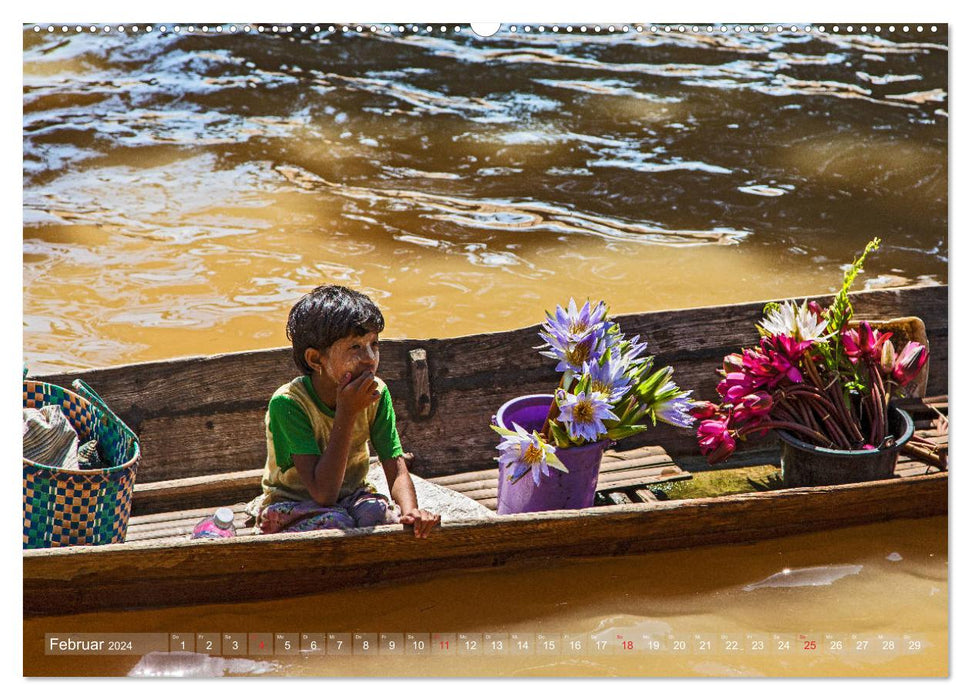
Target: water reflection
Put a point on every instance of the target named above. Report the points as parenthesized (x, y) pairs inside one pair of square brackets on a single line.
[(185, 664), (810, 576)]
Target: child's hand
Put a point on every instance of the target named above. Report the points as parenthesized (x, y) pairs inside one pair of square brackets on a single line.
[(355, 396), (422, 520)]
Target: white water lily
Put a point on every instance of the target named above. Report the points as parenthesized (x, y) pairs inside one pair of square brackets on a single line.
[(799, 322)]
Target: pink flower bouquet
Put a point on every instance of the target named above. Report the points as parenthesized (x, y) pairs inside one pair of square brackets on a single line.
[(814, 374)]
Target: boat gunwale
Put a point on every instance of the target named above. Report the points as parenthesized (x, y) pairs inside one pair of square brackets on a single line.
[(384, 531)]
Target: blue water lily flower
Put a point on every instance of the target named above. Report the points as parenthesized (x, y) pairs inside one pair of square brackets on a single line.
[(573, 323), (609, 378), (573, 353), (676, 411), (583, 414), (527, 453), (607, 391), (575, 336)]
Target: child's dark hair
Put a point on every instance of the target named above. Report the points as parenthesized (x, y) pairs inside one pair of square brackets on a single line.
[(327, 314)]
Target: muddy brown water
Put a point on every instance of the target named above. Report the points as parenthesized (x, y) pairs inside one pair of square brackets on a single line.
[(180, 192)]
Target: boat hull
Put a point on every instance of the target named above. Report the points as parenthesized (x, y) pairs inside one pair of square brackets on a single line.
[(87, 579)]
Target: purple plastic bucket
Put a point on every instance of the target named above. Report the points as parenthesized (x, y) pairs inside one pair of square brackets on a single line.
[(558, 491)]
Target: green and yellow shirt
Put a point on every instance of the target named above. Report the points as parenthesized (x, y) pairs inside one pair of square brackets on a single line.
[(299, 423)]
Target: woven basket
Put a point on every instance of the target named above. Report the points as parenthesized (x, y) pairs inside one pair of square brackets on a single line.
[(66, 507)]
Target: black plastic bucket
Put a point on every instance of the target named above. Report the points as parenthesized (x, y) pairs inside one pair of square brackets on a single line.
[(804, 464)]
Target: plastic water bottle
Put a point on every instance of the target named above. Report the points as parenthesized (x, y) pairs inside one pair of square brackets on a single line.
[(219, 524)]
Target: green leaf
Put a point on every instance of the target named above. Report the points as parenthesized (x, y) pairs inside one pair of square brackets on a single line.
[(504, 431), (559, 435), (554, 461), (624, 431), (841, 311)]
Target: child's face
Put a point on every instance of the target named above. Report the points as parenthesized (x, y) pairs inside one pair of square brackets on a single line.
[(352, 354)]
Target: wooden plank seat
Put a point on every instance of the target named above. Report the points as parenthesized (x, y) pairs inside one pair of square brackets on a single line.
[(168, 510)]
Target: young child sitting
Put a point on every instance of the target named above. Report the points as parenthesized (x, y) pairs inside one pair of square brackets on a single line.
[(319, 424)]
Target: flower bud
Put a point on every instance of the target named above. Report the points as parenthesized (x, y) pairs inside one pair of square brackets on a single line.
[(887, 358), (759, 401), (865, 342), (753, 409), (910, 360), (702, 410), (732, 363), (715, 440), (851, 344), (722, 451), (734, 386)]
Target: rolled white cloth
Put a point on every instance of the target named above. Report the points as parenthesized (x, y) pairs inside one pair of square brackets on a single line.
[(49, 438)]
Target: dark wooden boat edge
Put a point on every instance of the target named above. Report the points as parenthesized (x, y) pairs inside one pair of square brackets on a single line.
[(73, 580)]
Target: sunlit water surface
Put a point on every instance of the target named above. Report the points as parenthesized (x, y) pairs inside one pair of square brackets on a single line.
[(181, 191)]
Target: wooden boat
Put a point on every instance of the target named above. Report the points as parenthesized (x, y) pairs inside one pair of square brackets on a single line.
[(200, 421)]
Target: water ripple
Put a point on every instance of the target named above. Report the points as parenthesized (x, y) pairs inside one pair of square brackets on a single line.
[(205, 179), (521, 216)]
